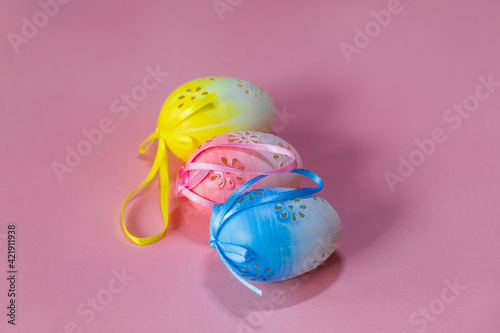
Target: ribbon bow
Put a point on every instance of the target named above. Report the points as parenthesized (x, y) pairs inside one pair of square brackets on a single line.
[(221, 214), (165, 134)]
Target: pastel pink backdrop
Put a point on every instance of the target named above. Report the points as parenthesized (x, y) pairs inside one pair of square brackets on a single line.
[(350, 121)]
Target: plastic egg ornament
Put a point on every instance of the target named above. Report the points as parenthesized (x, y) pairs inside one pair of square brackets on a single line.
[(225, 105), (195, 112), (274, 234), (223, 163)]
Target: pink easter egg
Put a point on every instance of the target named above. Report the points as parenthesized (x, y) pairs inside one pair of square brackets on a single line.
[(238, 156)]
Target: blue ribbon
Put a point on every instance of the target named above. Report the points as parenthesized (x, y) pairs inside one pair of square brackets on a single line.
[(221, 213)]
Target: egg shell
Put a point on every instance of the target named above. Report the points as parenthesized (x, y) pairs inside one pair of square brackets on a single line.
[(218, 186), (240, 106), (285, 239)]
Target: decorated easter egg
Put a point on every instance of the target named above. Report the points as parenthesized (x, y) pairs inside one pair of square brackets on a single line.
[(274, 234), (224, 105), (193, 113), (223, 163)]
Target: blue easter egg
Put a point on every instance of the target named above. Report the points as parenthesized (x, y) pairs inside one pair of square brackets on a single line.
[(276, 240)]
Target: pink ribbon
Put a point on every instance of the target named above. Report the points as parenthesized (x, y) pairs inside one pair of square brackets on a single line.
[(193, 173)]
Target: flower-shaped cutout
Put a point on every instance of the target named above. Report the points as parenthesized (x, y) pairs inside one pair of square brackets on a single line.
[(223, 178), (291, 209), (283, 159), (243, 137), (251, 195), (255, 273), (250, 88), (188, 97), (319, 261)]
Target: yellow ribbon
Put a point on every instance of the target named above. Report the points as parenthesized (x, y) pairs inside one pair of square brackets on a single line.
[(165, 135)]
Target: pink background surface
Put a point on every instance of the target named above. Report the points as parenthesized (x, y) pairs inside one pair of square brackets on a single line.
[(351, 122)]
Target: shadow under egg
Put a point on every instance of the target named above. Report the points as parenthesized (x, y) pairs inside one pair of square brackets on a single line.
[(241, 301)]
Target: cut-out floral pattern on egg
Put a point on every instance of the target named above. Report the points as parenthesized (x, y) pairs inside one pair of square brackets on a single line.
[(256, 272), (188, 97), (282, 159), (250, 88), (292, 209), (319, 261), (243, 137), (250, 196), (228, 178)]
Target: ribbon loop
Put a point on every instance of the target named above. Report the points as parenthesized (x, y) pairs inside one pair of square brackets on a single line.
[(165, 135), (145, 145), (156, 166), (231, 269), (237, 253)]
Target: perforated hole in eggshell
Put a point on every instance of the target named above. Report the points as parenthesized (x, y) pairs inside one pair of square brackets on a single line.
[(293, 211), (257, 274)]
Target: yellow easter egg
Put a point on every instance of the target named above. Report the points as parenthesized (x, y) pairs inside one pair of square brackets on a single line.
[(222, 105)]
